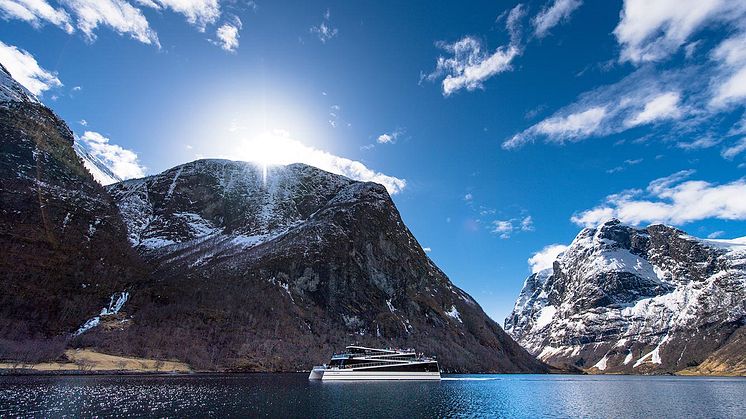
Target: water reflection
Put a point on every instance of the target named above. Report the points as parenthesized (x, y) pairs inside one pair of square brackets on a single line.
[(292, 395)]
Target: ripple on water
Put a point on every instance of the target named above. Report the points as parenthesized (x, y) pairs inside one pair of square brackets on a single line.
[(292, 395)]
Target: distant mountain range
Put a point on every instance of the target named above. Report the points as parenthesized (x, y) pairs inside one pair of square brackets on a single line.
[(638, 300), (221, 264)]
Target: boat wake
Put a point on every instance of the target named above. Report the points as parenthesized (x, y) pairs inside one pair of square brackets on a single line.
[(469, 378)]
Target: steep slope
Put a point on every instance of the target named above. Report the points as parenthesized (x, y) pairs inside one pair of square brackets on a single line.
[(624, 299), (64, 249), (274, 269), (98, 169)]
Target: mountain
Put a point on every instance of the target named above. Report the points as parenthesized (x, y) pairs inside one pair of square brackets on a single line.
[(64, 247), (225, 265), (274, 268), (638, 300), (100, 171)]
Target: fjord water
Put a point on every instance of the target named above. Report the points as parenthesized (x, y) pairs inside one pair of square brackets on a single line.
[(292, 395)]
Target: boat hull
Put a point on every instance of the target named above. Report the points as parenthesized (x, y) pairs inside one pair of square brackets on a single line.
[(317, 373), (367, 375)]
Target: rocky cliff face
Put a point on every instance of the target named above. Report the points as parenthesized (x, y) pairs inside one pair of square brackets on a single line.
[(274, 269), (624, 299), (64, 249)]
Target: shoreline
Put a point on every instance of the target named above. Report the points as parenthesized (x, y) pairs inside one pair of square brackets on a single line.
[(87, 362), (20, 372)]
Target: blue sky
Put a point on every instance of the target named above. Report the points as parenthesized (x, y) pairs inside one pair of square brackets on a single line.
[(499, 127)]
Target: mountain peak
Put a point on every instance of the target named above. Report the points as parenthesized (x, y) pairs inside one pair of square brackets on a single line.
[(209, 197)]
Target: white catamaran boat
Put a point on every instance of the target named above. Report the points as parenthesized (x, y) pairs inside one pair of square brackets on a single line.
[(361, 363)]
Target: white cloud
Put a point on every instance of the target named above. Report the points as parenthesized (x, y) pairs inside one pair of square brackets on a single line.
[(698, 144), (513, 23), (574, 125), (650, 31), (544, 258), (385, 139), (228, 35), (278, 147), (733, 89), (691, 48), (469, 66), (119, 15), (468, 197), (643, 97), (716, 234), (198, 12), (558, 129), (505, 228), (694, 94), (122, 162), (427, 249), (663, 106), (527, 224), (735, 149), (627, 163), (83, 122), (35, 12), (324, 30), (23, 67), (729, 85), (551, 16), (671, 200), (390, 137)]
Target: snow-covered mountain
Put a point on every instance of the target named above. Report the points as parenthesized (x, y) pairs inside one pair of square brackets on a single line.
[(283, 266), (638, 300)]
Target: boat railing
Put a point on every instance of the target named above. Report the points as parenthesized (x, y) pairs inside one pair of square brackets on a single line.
[(395, 358), (368, 364), (363, 365)]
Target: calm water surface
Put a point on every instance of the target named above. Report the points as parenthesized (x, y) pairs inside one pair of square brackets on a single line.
[(292, 395)]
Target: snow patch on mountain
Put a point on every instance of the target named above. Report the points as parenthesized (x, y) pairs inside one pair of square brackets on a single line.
[(116, 303), (454, 314), (546, 314)]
